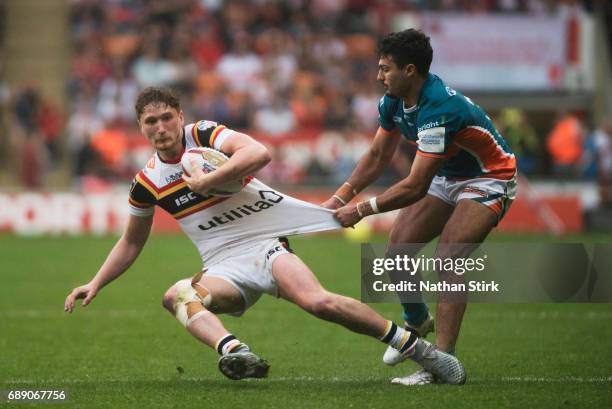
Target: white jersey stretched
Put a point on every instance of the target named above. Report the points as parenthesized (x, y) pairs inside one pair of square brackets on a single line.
[(219, 226)]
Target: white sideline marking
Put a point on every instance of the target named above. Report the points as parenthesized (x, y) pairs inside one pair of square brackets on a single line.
[(567, 379), (541, 315), (59, 312), (510, 315), (522, 379)]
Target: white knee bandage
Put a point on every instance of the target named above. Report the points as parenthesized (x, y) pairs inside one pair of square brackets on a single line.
[(186, 294)]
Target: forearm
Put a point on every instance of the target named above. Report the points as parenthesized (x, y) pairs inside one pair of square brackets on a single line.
[(368, 169), (118, 261), (404, 193), (242, 163), (396, 197), (370, 166), (400, 195)]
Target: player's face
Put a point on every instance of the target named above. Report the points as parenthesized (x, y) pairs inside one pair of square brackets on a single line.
[(395, 80), (162, 125)]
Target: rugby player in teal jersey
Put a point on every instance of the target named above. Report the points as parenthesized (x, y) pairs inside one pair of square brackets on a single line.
[(461, 183)]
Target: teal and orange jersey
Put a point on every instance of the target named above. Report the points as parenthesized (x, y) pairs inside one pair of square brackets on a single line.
[(447, 124)]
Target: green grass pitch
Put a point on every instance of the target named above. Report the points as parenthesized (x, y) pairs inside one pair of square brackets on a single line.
[(125, 351)]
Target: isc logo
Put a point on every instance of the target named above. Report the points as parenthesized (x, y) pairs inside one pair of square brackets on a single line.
[(181, 200)]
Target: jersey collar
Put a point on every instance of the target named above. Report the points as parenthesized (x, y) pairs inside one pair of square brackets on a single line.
[(408, 110)]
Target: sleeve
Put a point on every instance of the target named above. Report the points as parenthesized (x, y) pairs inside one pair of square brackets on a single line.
[(141, 200), (385, 112), (210, 134), (437, 131)]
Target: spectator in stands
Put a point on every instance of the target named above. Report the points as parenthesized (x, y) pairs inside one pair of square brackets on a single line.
[(275, 120), (364, 107), (603, 142), (337, 115), (27, 140), (182, 61), (151, 69), (307, 101), (206, 46), (88, 66), (522, 138), (5, 94), (82, 125), (50, 123), (241, 65), (117, 93), (564, 145), (110, 144)]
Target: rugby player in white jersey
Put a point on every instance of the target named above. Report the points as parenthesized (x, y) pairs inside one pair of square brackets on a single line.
[(236, 238)]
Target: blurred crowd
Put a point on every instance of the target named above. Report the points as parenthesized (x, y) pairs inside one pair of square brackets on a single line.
[(298, 74)]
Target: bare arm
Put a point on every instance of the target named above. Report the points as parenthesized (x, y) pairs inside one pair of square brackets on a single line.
[(120, 258), (412, 188), (246, 157), (368, 169), (404, 193), (377, 158)]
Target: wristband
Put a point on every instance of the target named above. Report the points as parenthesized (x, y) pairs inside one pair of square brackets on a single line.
[(374, 205), (364, 209), (338, 198), (345, 193), (359, 210)]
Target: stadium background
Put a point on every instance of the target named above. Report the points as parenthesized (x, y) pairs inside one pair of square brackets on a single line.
[(300, 76)]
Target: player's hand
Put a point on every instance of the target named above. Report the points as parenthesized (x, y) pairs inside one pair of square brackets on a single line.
[(198, 181), (87, 292), (347, 216), (332, 203)]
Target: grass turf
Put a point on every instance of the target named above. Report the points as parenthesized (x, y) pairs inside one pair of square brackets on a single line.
[(124, 350)]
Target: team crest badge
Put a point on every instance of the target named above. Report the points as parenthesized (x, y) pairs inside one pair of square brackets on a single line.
[(204, 125)]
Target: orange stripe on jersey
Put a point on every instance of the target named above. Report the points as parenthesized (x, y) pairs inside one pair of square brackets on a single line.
[(200, 206), (214, 135), (496, 207), (431, 155), (194, 133), (171, 188), (480, 143), (139, 204), (144, 181)]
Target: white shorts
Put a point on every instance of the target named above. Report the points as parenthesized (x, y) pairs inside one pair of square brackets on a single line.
[(250, 272), (496, 194)]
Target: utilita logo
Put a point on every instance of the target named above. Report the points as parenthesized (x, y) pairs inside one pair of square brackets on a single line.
[(269, 199)]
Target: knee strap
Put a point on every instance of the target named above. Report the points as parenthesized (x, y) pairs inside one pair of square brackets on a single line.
[(188, 293)]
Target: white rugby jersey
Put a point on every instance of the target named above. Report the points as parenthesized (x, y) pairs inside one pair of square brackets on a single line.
[(220, 226)]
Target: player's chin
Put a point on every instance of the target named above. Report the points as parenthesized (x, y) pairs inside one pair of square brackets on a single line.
[(164, 144)]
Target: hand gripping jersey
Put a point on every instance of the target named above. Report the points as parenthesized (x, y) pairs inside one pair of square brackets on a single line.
[(222, 226), (447, 124)]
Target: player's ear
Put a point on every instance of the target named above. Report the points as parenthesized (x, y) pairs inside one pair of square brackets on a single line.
[(410, 70), (181, 118)]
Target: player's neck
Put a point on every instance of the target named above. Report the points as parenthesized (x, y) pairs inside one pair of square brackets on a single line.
[(171, 155), (414, 93)]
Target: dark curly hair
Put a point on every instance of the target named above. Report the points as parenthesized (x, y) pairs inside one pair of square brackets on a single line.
[(156, 95), (408, 47)]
